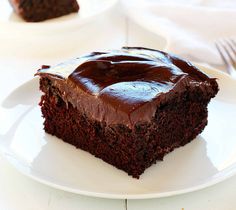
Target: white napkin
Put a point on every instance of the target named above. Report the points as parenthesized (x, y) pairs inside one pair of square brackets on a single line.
[(190, 27)]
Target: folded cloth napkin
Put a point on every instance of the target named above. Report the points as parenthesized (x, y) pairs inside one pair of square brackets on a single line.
[(190, 27)]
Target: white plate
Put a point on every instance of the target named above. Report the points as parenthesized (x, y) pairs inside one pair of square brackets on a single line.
[(63, 35), (207, 160), (88, 9)]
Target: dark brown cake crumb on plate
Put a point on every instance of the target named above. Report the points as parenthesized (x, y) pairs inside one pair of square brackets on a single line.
[(129, 107)]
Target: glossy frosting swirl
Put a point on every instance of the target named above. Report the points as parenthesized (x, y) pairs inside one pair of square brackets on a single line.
[(124, 86)]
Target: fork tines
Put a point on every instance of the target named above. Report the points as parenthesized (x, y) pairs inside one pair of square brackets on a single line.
[(227, 51)]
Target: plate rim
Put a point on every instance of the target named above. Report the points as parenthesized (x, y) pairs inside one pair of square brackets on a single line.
[(231, 171)]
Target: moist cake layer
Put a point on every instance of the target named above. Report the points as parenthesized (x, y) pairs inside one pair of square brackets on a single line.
[(35, 10)]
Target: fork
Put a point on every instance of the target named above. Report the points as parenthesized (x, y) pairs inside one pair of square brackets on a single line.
[(227, 51)]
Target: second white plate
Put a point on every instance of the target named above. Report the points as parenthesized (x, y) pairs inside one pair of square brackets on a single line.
[(88, 9), (207, 160)]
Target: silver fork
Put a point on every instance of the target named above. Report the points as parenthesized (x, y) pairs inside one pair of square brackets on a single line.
[(227, 51)]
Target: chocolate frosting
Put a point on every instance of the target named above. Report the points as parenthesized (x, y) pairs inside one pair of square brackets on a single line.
[(124, 86)]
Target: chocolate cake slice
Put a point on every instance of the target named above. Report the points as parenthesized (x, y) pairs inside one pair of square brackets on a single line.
[(35, 10), (129, 107)]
